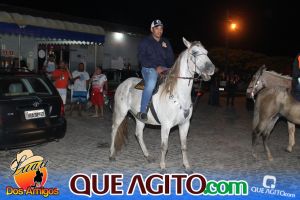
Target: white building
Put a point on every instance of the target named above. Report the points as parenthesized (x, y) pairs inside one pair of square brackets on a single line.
[(74, 40)]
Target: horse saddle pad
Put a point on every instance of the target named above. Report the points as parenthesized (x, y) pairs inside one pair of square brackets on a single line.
[(160, 80)]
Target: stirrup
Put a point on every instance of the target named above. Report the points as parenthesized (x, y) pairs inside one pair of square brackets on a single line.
[(142, 116)]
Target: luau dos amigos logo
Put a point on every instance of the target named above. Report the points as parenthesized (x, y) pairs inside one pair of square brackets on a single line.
[(30, 175)]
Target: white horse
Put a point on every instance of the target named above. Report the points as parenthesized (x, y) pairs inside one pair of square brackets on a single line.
[(172, 103)]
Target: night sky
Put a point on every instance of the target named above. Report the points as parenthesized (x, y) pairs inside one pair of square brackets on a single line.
[(265, 26)]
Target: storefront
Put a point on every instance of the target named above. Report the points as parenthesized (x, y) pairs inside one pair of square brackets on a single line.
[(31, 40)]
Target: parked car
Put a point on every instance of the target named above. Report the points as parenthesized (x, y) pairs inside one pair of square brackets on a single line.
[(31, 110)]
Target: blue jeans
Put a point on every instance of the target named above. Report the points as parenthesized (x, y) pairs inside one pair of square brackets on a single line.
[(150, 78)]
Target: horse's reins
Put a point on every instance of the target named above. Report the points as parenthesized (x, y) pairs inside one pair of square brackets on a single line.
[(192, 73), (255, 85)]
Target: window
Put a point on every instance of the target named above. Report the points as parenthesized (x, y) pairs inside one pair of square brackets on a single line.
[(20, 86)]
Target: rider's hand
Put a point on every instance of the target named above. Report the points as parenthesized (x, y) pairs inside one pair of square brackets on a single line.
[(159, 69)]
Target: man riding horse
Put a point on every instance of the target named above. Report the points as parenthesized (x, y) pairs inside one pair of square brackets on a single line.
[(155, 55)]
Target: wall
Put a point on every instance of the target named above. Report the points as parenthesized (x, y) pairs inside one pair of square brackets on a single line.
[(125, 49), (86, 55)]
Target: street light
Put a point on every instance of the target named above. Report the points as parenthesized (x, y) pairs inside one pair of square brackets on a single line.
[(233, 26)]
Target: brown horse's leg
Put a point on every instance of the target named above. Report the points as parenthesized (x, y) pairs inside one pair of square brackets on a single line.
[(291, 129), (265, 141), (266, 136), (255, 135)]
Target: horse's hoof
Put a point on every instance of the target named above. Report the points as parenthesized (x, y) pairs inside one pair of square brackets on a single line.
[(112, 159), (289, 149), (270, 158), (188, 171), (163, 171), (254, 156), (150, 159)]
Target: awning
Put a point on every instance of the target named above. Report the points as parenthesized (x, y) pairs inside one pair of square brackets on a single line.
[(49, 30)]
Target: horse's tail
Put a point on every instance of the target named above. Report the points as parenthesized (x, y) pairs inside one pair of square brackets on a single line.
[(121, 135)]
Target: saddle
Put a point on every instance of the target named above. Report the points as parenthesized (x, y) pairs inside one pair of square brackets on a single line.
[(160, 79)]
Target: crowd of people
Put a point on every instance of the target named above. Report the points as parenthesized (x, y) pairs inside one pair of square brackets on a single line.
[(231, 80), (83, 87)]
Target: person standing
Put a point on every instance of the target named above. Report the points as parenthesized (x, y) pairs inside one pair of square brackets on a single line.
[(232, 86), (79, 96), (61, 77), (155, 54), (99, 88), (50, 65), (214, 94), (296, 78)]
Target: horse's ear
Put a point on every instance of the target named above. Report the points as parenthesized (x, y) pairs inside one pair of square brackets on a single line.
[(263, 67), (186, 43)]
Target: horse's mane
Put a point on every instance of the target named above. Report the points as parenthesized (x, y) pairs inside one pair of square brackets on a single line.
[(278, 75), (171, 78)]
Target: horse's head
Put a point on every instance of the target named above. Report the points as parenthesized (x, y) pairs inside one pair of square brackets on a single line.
[(198, 61), (257, 83)]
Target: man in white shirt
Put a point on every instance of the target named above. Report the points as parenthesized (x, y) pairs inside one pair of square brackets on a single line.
[(79, 97)]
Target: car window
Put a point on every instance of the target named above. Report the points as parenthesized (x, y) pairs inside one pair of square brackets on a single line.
[(20, 86), (39, 86)]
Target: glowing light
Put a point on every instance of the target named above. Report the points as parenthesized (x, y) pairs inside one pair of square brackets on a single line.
[(233, 26), (118, 36)]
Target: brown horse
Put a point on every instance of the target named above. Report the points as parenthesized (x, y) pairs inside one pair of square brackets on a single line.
[(271, 103), (268, 79)]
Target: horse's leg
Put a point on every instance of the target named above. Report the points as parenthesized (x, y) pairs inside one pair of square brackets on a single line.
[(266, 136), (139, 134), (265, 142), (257, 131), (291, 129), (183, 131), (165, 131), (255, 134)]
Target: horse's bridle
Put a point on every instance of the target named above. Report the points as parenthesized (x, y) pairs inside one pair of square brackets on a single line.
[(255, 86), (192, 72)]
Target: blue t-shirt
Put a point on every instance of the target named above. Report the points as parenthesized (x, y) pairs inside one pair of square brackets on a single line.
[(50, 66), (152, 53)]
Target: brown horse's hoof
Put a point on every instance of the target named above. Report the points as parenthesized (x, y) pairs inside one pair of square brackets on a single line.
[(112, 159)]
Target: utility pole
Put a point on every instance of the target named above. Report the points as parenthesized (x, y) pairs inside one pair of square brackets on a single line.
[(226, 42)]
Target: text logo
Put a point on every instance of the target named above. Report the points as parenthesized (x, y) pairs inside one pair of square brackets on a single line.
[(29, 170), (269, 181), (30, 175), (269, 184)]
